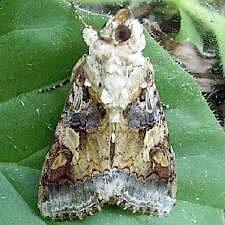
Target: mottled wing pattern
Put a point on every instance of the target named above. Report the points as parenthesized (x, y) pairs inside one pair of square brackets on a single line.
[(67, 189), (144, 157), (84, 168)]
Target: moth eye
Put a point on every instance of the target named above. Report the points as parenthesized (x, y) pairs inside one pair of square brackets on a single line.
[(122, 33)]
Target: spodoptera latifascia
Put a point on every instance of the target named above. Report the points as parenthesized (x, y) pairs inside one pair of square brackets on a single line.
[(111, 143)]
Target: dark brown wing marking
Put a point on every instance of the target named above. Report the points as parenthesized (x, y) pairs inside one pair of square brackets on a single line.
[(141, 118), (59, 166)]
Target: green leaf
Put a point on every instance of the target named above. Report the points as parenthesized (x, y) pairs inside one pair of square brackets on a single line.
[(210, 18), (46, 35), (36, 36), (188, 31)]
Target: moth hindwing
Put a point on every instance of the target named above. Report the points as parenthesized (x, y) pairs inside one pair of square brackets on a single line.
[(112, 139)]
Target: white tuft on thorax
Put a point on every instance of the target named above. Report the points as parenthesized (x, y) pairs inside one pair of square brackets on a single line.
[(116, 70)]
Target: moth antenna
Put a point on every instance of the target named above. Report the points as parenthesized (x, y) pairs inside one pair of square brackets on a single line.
[(78, 15)]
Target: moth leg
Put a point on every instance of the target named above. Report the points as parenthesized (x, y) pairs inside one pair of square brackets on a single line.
[(89, 34)]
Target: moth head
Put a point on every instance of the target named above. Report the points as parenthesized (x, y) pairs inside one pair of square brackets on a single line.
[(124, 30)]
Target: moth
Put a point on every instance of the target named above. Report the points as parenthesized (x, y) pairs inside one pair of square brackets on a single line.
[(111, 143)]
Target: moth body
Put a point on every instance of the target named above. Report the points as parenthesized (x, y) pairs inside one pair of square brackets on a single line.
[(112, 140)]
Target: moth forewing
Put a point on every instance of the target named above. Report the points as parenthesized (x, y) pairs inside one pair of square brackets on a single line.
[(112, 140)]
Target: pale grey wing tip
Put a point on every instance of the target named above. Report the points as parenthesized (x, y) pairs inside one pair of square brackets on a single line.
[(67, 213), (160, 207), (137, 194), (69, 201), (80, 199), (145, 195)]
